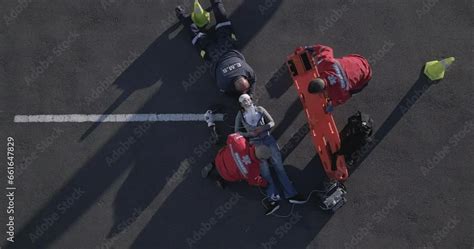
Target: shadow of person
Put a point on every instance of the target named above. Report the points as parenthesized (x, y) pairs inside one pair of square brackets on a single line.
[(279, 83), (162, 61), (421, 85), (139, 179), (150, 150), (242, 224)]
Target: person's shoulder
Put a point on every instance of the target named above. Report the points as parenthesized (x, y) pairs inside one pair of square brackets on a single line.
[(239, 113), (260, 108)]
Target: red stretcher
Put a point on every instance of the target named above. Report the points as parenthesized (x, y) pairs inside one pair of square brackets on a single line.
[(323, 130)]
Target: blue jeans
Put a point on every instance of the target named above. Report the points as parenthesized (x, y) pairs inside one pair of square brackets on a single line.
[(276, 161)]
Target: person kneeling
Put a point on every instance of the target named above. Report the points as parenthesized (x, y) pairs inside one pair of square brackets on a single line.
[(236, 161)]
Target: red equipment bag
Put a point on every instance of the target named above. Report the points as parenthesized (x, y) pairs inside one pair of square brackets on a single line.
[(323, 130)]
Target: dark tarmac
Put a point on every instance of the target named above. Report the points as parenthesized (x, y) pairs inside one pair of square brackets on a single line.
[(138, 185)]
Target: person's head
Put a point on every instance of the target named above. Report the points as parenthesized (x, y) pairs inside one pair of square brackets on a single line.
[(262, 152), (241, 84), (316, 85), (245, 101)]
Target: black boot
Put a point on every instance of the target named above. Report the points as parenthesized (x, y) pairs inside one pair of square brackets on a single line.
[(271, 206), (180, 14), (297, 199)]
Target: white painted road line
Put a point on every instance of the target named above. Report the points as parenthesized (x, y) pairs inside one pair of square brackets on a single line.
[(80, 118)]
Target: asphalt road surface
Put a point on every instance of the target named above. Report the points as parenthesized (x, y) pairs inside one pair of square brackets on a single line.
[(138, 185)]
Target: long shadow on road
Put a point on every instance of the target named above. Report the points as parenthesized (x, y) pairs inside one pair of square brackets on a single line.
[(146, 154), (421, 85), (238, 222)]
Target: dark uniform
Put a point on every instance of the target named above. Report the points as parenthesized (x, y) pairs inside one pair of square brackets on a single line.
[(226, 63)]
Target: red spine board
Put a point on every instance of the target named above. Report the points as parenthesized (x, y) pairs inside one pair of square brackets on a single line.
[(323, 130)]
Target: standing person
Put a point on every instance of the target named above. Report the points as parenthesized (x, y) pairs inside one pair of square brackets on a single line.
[(257, 123), (339, 78), (227, 65)]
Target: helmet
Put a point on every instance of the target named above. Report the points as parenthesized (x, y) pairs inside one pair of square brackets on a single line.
[(316, 85)]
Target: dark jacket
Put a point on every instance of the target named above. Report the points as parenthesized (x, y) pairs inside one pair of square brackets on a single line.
[(229, 66)]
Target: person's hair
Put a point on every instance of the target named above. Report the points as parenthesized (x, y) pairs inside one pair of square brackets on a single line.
[(241, 108), (241, 84), (262, 152), (316, 85)]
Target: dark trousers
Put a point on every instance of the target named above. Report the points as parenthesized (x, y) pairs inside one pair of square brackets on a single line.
[(211, 49)]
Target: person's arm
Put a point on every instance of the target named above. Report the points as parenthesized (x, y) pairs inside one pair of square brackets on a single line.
[(323, 52), (267, 118), (238, 127), (257, 180), (252, 79)]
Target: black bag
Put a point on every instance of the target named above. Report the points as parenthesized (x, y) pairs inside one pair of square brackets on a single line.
[(355, 135)]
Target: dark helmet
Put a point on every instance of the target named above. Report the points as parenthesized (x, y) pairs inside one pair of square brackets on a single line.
[(316, 85)]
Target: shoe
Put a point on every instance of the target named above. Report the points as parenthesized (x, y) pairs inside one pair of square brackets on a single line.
[(180, 13), (272, 206), (209, 117), (206, 170), (297, 199)]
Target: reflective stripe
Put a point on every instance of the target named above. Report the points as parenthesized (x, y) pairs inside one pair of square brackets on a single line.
[(240, 164), (342, 75), (222, 24), (196, 38), (445, 65)]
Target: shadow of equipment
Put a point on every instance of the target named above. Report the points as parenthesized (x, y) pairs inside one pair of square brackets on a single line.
[(421, 85)]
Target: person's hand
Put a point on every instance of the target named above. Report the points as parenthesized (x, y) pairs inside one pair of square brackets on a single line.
[(329, 107), (258, 130), (309, 49), (261, 182)]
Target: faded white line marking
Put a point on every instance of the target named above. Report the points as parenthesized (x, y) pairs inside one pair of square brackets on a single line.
[(80, 118)]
